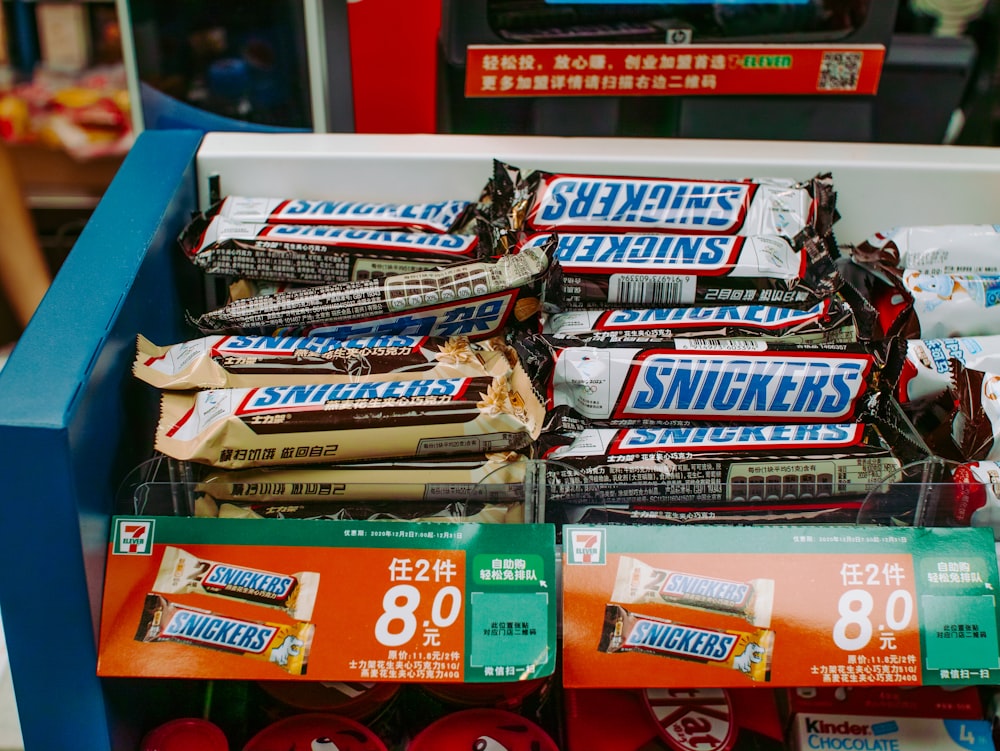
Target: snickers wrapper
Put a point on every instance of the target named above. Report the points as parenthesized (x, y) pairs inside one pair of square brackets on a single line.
[(649, 269), (934, 249), (181, 572), (568, 203), (441, 216), (217, 362), (286, 646), (475, 299), (316, 254), (748, 652), (723, 469), (734, 380), (320, 423), (830, 321), (639, 583)]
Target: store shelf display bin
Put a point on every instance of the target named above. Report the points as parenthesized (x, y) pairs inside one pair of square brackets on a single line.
[(73, 421)]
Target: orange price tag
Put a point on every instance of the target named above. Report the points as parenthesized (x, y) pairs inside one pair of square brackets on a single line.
[(727, 620)]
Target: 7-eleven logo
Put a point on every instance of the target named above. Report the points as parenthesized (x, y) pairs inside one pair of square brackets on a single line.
[(133, 537), (586, 546)]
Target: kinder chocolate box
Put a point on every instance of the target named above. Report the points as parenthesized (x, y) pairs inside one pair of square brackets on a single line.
[(838, 732)]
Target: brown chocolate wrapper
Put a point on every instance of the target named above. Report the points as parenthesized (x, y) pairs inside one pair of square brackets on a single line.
[(830, 321), (730, 474), (285, 425), (975, 421), (316, 254), (476, 299), (602, 270)]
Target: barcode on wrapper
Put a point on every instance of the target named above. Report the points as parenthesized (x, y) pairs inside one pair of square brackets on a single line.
[(655, 290)]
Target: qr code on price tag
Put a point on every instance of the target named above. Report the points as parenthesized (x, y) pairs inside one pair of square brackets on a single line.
[(839, 71)]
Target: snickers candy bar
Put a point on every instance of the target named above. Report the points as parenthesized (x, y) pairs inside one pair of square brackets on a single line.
[(409, 511), (642, 269), (934, 249), (829, 321), (244, 361), (639, 583), (722, 469), (926, 372), (499, 477), (474, 299), (748, 652), (316, 254), (567, 203), (441, 216), (181, 572), (343, 422), (286, 646), (736, 380)]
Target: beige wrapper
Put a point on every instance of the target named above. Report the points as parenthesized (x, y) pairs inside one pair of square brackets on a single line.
[(637, 583), (499, 477), (209, 363), (490, 513), (286, 425), (181, 572)]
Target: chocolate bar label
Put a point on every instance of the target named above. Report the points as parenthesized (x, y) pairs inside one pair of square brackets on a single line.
[(651, 204), (308, 396), (734, 593), (816, 388), (739, 437), (688, 641), (475, 319), (218, 631), (372, 238), (444, 213), (319, 345), (683, 253), (762, 316), (223, 578)]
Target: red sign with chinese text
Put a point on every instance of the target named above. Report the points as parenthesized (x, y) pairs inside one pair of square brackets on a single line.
[(671, 70)]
